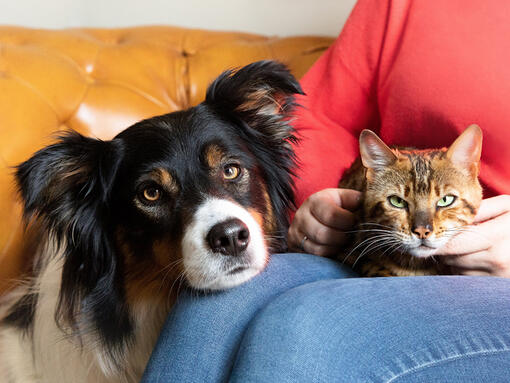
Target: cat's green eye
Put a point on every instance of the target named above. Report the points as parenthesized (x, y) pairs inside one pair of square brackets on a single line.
[(397, 202), (447, 200)]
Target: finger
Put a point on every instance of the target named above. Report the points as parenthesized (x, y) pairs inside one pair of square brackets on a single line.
[(478, 260), (349, 199), (471, 239), (330, 214), (469, 272), (493, 207), (492, 227), (311, 247), (323, 234), (294, 239), (463, 244)]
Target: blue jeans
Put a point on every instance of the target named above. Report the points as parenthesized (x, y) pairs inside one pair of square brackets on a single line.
[(306, 319)]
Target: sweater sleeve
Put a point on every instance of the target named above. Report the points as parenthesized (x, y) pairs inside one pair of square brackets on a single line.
[(340, 99)]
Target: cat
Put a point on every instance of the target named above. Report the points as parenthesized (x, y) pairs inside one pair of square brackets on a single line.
[(413, 202)]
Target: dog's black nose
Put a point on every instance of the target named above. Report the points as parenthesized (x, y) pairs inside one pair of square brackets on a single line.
[(230, 237)]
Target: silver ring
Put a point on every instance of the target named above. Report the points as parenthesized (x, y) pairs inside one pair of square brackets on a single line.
[(303, 242)]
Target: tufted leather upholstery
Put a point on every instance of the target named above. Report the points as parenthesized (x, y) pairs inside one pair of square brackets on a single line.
[(98, 82)]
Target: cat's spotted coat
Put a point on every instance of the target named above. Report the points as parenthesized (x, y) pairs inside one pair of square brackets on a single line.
[(414, 201)]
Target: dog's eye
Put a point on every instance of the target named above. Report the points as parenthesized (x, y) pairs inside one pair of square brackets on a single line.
[(231, 171), (151, 193)]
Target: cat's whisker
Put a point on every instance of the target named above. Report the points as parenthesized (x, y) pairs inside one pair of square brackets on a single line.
[(366, 240), (372, 239), (466, 229), (356, 261), (461, 227), (355, 248), (395, 247), (373, 247), (372, 243), (369, 231), (375, 224)]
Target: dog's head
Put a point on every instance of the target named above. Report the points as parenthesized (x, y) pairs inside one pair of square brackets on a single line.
[(203, 194)]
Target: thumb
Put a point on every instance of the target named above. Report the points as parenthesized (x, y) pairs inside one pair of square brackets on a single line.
[(493, 207), (348, 199)]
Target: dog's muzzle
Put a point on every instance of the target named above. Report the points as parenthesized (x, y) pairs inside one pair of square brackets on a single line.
[(223, 246)]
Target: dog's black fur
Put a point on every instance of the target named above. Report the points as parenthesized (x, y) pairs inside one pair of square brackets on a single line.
[(82, 190)]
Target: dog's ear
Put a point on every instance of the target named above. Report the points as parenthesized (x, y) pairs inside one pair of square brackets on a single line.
[(66, 176), (67, 186), (260, 99), (261, 95)]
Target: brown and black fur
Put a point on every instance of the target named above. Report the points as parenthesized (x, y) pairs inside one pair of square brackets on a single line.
[(421, 177), (110, 259)]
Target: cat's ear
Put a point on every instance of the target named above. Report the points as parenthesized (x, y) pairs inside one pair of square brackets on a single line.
[(375, 154), (466, 150)]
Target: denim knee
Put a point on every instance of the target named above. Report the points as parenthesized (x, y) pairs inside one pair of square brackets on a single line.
[(376, 329), (201, 336)]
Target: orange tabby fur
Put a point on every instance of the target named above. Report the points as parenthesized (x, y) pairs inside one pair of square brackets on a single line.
[(393, 241)]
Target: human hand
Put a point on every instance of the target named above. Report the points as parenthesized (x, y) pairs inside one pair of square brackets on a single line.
[(323, 219), (484, 247)]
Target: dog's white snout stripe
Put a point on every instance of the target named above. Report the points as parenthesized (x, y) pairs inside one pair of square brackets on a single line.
[(207, 269)]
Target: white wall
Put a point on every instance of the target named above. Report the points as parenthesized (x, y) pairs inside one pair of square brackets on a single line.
[(270, 17)]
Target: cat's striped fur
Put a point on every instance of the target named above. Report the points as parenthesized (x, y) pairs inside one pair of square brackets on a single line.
[(401, 240)]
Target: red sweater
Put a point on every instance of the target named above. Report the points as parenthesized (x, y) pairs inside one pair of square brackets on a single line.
[(417, 72)]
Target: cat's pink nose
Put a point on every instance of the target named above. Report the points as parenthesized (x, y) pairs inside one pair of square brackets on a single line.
[(422, 231)]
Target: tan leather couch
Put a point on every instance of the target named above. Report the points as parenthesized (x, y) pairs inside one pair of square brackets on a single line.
[(98, 82)]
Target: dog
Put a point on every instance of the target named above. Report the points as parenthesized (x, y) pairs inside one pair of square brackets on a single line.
[(199, 196)]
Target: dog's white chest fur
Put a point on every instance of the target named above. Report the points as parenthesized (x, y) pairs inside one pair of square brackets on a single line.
[(49, 355)]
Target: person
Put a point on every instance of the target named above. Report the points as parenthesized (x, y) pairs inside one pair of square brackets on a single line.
[(417, 73)]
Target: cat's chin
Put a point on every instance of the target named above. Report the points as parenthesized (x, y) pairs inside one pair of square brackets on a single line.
[(422, 251)]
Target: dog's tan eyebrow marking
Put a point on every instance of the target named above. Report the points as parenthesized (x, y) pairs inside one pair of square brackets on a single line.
[(213, 155), (165, 179)]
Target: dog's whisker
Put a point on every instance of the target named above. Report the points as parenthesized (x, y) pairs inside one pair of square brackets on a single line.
[(172, 266)]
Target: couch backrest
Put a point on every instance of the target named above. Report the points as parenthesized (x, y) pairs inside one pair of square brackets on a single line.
[(98, 82)]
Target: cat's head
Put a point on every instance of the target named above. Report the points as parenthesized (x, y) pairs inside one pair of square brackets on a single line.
[(418, 199)]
